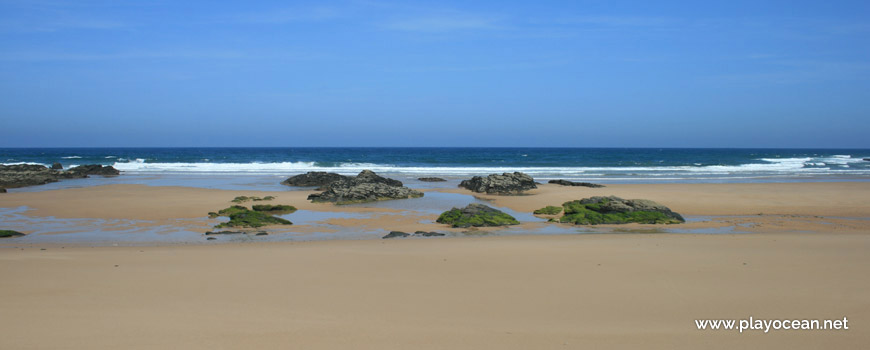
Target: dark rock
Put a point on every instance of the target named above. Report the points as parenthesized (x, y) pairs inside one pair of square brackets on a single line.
[(57, 166), (261, 233), (10, 233), (92, 169), (209, 233), (428, 234), (22, 175), (365, 187), (431, 179), (572, 183), (394, 234), (615, 210), (867, 159), (313, 178), (210, 238), (507, 183), (476, 215), (2, 190)]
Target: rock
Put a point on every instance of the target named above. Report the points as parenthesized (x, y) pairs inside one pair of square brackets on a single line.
[(243, 217), (274, 209), (428, 234), (92, 169), (615, 210), (22, 175), (2, 190), (548, 210), (394, 234), (431, 179), (313, 178), (57, 166), (476, 215), (365, 187), (209, 233), (572, 183), (261, 233), (10, 233), (209, 238), (507, 183), (867, 159)]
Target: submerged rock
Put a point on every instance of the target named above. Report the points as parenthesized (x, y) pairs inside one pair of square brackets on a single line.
[(365, 187), (313, 178), (572, 183), (57, 166), (431, 179), (615, 210), (400, 234), (507, 183), (476, 215), (10, 233), (429, 234), (394, 234)]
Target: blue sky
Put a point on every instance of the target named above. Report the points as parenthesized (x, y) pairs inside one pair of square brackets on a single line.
[(485, 73)]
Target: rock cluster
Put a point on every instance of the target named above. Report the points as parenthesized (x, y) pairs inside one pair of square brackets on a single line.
[(572, 183), (507, 183), (615, 210), (476, 215), (365, 187), (22, 175), (431, 179), (400, 234), (313, 178), (243, 217)]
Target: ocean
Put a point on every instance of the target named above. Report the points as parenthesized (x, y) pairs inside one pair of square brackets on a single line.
[(605, 165)]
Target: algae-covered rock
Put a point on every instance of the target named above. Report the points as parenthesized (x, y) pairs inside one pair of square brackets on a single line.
[(10, 233), (274, 209), (243, 217), (476, 215), (507, 183), (548, 210), (365, 187), (615, 210), (92, 169)]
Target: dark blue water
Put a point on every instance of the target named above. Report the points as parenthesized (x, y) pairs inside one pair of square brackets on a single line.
[(593, 164)]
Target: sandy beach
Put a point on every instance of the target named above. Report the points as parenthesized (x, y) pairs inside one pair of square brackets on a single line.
[(804, 258)]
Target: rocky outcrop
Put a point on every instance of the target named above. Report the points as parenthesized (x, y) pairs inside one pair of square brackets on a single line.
[(243, 217), (57, 166), (23, 175), (2, 190), (476, 215), (615, 210), (507, 183), (92, 169), (572, 183), (10, 234), (365, 187), (313, 178), (431, 179)]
